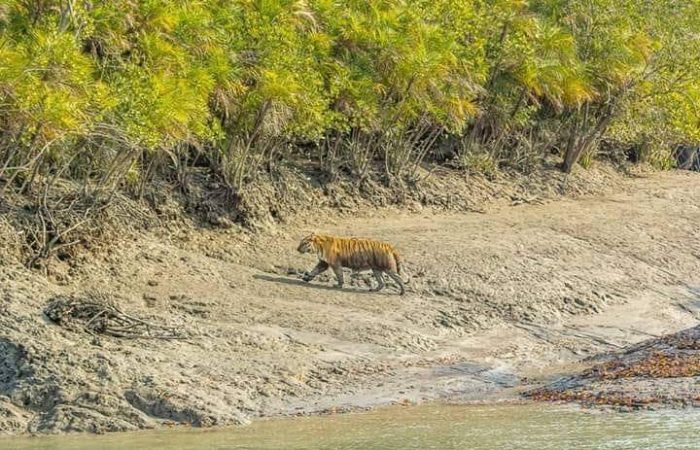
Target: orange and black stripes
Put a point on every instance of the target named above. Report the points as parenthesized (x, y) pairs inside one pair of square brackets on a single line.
[(353, 253)]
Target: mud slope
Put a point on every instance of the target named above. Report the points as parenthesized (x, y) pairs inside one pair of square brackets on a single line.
[(660, 371), (523, 291)]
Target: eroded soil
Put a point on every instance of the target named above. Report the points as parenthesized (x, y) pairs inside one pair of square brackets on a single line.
[(496, 302), (658, 372)]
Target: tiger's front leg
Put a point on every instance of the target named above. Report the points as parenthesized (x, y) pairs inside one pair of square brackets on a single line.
[(322, 266), (339, 276)]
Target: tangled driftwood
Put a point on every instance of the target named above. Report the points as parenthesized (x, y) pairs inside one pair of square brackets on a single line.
[(100, 315)]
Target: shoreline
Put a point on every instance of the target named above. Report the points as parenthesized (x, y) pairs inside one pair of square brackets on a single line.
[(514, 297), (428, 415)]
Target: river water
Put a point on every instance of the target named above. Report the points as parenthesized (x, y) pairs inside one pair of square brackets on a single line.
[(431, 426)]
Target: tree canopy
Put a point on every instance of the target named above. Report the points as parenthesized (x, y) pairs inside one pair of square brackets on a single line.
[(97, 88)]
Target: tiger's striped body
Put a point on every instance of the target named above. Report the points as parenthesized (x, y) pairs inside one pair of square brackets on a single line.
[(353, 253)]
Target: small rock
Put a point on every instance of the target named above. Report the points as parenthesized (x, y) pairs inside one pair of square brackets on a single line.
[(149, 299)]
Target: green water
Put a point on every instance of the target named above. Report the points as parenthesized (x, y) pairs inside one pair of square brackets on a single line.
[(435, 426)]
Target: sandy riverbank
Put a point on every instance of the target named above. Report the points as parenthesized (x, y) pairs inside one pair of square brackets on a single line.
[(498, 302)]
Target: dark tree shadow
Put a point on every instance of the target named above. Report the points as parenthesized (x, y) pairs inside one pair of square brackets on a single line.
[(12, 358)]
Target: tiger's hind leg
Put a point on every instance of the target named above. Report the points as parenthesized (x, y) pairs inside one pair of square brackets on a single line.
[(380, 280), (339, 276), (395, 276), (322, 266)]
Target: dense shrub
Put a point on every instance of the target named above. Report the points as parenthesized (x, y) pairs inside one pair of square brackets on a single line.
[(112, 92)]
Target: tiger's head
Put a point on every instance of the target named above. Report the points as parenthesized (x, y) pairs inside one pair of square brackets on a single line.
[(307, 244)]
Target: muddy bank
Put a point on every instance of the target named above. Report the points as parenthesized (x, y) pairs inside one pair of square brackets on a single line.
[(518, 291), (658, 372), (50, 230)]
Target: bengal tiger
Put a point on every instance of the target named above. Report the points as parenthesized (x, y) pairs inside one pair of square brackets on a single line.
[(354, 253)]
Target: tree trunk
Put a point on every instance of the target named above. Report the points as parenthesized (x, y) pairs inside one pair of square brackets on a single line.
[(578, 145)]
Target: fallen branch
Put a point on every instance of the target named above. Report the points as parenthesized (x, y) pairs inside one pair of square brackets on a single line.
[(102, 316)]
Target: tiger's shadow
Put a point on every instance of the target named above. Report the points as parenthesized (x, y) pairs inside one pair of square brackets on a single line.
[(315, 285)]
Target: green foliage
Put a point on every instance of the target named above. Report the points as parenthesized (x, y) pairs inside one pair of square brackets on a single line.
[(104, 86), (478, 161)]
